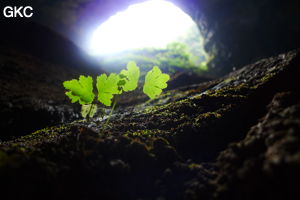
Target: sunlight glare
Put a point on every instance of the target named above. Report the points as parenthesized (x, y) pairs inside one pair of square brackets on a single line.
[(154, 23)]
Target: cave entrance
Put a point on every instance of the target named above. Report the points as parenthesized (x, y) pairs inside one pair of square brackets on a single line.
[(154, 32)]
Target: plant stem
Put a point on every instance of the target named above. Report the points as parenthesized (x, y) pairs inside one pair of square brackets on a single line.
[(88, 115), (109, 116), (111, 111)]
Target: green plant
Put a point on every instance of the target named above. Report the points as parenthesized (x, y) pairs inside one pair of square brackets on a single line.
[(174, 57), (82, 90)]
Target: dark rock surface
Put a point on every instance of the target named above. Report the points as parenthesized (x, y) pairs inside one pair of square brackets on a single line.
[(41, 42), (34, 61), (194, 142), (241, 32), (32, 95), (265, 164)]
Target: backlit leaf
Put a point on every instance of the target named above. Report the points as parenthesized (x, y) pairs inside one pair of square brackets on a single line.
[(155, 81), (107, 87), (131, 77), (80, 90)]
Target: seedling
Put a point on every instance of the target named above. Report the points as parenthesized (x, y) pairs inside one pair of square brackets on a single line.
[(108, 87)]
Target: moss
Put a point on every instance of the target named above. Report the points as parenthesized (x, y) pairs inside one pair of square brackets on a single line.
[(208, 116), (144, 133), (228, 80), (195, 111), (267, 77), (50, 131), (240, 90), (194, 166)]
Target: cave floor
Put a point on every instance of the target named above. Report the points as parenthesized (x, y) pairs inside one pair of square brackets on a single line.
[(236, 137)]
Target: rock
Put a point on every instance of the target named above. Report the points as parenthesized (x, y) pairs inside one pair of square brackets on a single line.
[(32, 93), (175, 147), (265, 164)]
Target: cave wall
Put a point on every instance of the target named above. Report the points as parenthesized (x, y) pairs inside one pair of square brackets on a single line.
[(240, 32), (236, 32)]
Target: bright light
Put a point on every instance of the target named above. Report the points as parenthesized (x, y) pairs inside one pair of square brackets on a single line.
[(153, 23)]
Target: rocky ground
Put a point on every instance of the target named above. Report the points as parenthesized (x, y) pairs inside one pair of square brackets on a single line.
[(31, 93), (236, 137)]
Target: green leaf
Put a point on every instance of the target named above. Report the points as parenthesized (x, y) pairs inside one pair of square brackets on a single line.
[(155, 81), (107, 87), (131, 76), (88, 110), (80, 90)]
